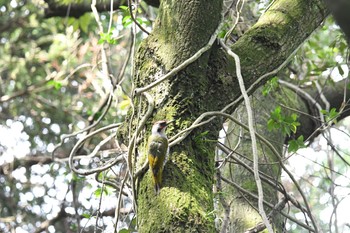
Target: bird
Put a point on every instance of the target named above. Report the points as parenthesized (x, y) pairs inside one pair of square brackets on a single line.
[(158, 150)]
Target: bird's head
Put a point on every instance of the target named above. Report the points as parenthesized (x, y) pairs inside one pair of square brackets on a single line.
[(159, 127)]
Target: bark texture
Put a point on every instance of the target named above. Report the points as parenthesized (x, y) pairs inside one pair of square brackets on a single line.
[(185, 202)]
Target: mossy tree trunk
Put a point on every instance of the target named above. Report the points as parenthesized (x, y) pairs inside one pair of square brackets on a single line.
[(185, 203), (186, 199)]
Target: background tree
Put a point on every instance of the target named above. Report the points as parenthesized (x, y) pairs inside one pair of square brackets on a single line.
[(67, 84)]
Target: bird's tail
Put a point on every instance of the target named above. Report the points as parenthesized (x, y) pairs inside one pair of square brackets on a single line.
[(157, 181), (157, 188)]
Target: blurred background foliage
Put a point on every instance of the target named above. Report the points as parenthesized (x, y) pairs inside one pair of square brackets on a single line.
[(51, 85)]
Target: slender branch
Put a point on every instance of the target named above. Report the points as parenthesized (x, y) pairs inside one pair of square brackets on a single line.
[(117, 210), (223, 202), (322, 96), (98, 213), (276, 209), (252, 137), (197, 123), (228, 33), (305, 95), (134, 19), (107, 165), (76, 8), (132, 142), (267, 179)]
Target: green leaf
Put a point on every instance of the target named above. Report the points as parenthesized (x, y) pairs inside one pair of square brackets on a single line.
[(124, 104), (98, 192), (270, 124), (277, 112), (331, 115), (270, 85), (86, 215), (139, 20), (201, 135), (84, 22), (124, 8), (324, 112), (222, 34), (107, 38), (126, 21), (124, 231), (73, 227), (294, 145), (286, 124), (134, 222), (56, 84)]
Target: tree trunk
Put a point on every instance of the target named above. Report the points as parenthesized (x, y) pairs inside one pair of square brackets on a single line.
[(185, 202)]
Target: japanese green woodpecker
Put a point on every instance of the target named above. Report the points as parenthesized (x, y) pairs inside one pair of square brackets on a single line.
[(158, 150)]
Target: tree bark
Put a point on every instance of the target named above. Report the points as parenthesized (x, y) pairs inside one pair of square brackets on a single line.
[(185, 202)]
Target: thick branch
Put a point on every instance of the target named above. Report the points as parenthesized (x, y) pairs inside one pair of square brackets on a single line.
[(54, 8), (274, 38), (26, 162), (78, 9), (340, 10)]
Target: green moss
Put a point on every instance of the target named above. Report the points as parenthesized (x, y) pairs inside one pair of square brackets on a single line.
[(250, 185), (185, 197), (166, 113), (173, 206)]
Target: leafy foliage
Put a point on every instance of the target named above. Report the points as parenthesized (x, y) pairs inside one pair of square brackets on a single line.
[(296, 144), (270, 85), (288, 124), (331, 116), (51, 86)]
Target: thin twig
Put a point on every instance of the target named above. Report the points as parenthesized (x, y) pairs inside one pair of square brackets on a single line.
[(117, 210), (305, 95), (197, 123), (322, 96), (81, 141), (135, 20), (106, 72), (67, 136), (238, 11)]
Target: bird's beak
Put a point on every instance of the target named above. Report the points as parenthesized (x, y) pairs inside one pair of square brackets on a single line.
[(169, 122)]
